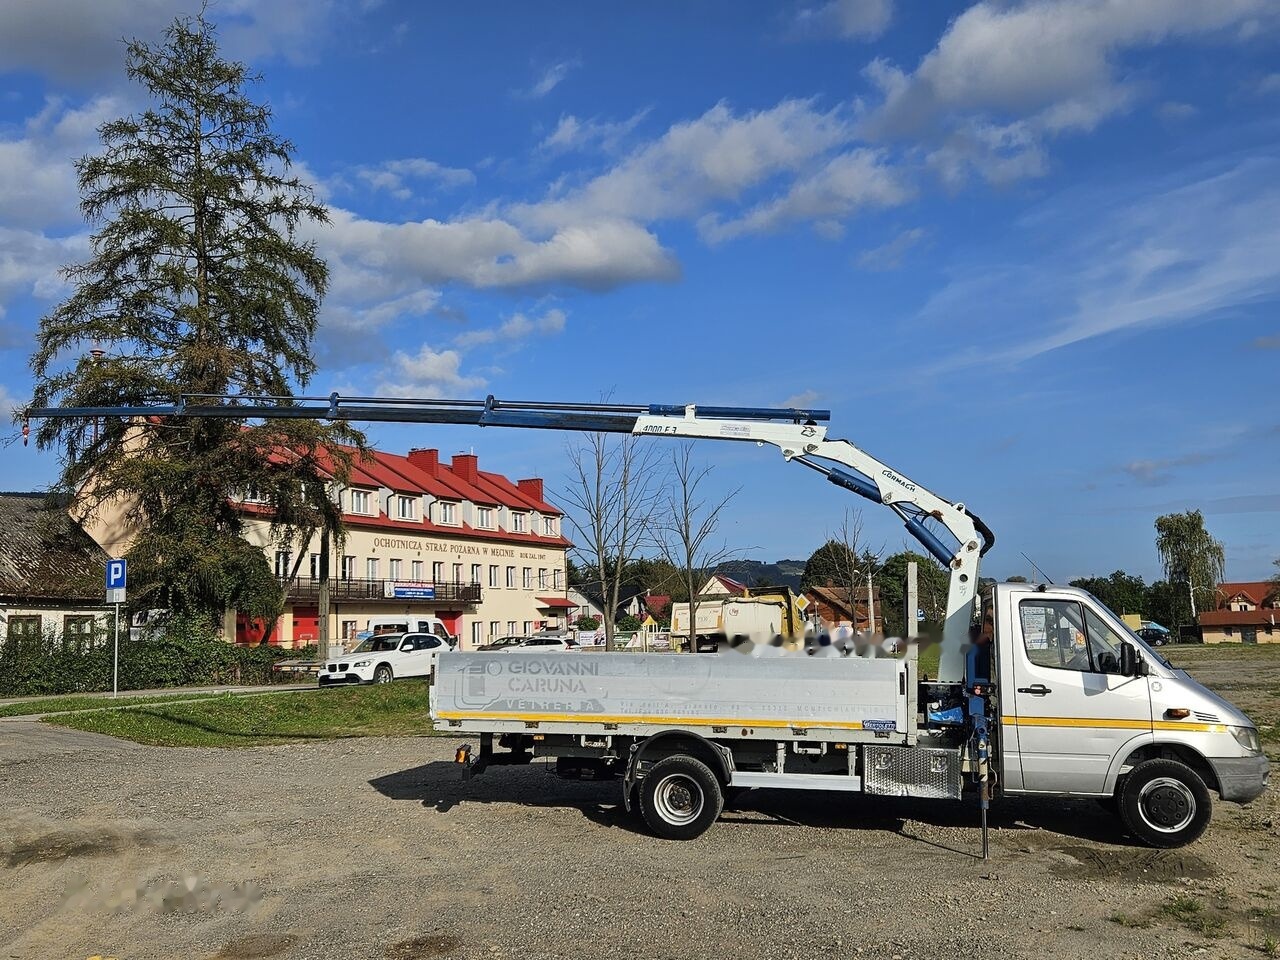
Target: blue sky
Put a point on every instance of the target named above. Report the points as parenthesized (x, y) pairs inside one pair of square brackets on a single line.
[(1027, 253)]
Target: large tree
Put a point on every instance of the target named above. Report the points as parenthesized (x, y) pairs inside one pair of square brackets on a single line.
[(198, 283), (932, 583), (1121, 591), (1193, 560)]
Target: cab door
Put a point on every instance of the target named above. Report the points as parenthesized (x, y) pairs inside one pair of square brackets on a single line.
[(1073, 711)]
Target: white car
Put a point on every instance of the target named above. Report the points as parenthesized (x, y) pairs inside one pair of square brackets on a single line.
[(386, 657), (541, 645)]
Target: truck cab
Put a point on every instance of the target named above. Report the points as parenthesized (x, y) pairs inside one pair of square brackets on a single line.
[(1085, 708)]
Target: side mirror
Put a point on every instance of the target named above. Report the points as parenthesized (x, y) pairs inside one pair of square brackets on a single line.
[(1131, 664)]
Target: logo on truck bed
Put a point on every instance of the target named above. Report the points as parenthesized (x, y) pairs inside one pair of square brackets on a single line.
[(880, 726)]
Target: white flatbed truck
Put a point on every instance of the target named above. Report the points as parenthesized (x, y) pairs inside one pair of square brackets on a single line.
[(1055, 695)]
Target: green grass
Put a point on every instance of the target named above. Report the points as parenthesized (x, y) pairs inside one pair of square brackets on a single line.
[(1191, 913), (74, 703), (1129, 920), (394, 709)]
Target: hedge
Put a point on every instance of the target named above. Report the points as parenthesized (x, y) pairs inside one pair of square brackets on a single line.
[(187, 653)]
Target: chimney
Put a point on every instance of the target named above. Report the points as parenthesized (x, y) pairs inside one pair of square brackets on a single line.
[(532, 486), (428, 461), (466, 466)]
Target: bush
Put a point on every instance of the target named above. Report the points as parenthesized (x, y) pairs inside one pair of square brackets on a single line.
[(629, 624), (186, 653), (587, 623)]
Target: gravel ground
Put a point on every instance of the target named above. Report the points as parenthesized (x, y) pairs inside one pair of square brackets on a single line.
[(376, 848)]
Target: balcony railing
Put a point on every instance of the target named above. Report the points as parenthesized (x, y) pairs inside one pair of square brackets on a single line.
[(399, 591)]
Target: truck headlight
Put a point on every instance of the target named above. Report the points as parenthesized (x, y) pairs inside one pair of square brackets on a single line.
[(1247, 737), (365, 663)]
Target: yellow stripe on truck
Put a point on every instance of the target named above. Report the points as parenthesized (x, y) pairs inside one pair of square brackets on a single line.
[(1113, 723), (652, 721)]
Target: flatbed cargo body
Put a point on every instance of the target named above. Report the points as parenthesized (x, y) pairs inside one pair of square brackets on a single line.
[(724, 695)]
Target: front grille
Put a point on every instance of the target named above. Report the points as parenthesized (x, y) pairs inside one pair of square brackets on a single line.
[(333, 668), (911, 772)]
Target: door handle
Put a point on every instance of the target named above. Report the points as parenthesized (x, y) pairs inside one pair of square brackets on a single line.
[(1039, 690)]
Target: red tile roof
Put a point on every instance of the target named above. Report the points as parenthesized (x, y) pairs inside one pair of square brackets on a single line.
[(1257, 591), (732, 585), (1239, 618), (557, 602)]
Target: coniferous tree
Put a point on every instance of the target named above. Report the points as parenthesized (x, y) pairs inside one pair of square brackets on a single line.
[(198, 283)]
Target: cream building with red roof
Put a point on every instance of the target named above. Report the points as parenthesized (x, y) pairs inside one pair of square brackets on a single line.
[(483, 553)]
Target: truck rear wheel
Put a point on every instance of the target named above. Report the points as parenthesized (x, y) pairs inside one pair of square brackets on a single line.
[(680, 798), (1165, 804)]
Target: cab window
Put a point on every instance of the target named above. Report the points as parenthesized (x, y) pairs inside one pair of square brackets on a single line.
[(1053, 632)]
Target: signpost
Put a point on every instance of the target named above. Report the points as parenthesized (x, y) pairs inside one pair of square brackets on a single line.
[(117, 577)]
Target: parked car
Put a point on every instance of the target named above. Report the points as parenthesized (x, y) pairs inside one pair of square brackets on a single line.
[(541, 644), (1154, 637), (498, 644), (385, 657)]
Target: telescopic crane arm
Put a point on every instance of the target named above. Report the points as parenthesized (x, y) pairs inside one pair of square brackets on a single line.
[(800, 435)]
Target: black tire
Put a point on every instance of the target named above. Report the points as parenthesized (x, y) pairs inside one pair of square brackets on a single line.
[(680, 798), (383, 674), (1165, 803)]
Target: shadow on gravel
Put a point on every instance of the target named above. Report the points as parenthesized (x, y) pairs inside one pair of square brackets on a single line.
[(1016, 822)]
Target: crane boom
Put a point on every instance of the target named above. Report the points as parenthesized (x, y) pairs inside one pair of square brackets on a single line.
[(799, 434)]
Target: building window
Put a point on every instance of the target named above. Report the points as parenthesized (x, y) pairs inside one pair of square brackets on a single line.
[(477, 634), (457, 573), (511, 578), (315, 566), (349, 629), (484, 517), (404, 508), (495, 627), (517, 523), (348, 568), (417, 570), (493, 575), (475, 573), (528, 627), (437, 572), (360, 501), (371, 568), (511, 627), (395, 570), (542, 578), (549, 526), (557, 577), (526, 578), (24, 628), (448, 512), (253, 495), (78, 628), (283, 564)]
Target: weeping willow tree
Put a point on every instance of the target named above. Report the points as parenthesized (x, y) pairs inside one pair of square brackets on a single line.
[(198, 282), (1192, 558)]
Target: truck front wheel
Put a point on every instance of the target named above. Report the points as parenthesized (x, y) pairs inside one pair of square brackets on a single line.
[(1165, 803), (680, 798)]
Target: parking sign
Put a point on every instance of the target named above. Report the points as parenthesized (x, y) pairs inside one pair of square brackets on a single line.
[(117, 576)]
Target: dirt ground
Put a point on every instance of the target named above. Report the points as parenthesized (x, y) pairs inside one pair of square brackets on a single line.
[(377, 849)]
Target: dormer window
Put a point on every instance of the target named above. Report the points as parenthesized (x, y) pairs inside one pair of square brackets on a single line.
[(484, 518), (448, 512), (405, 509), (549, 526), (360, 501), (517, 523)]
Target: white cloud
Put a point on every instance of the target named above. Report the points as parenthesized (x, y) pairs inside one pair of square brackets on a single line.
[(1155, 473), (1004, 76), (804, 400), (492, 252), (850, 19), (391, 175), (79, 41), (427, 373), (576, 134), (8, 406), (551, 78), (1269, 84), (845, 184), (714, 158), (1174, 111), (889, 256), (30, 263), (517, 327), (1192, 253)]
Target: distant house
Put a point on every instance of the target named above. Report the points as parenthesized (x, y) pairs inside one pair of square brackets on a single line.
[(835, 608), (51, 571), (1247, 612), (584, 604), (722, 587)]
